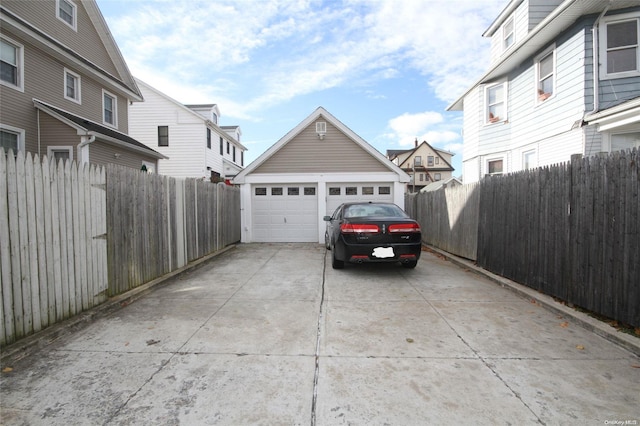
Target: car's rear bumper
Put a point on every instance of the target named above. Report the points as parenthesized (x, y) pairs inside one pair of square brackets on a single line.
[(365, 253)]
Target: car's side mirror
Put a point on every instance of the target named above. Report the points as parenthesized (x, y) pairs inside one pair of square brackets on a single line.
[(327, 218)]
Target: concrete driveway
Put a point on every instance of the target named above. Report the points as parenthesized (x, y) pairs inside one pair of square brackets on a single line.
[(269, 334)]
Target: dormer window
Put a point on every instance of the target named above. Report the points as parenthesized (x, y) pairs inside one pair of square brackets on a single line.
[(508, 34), (214, 118)]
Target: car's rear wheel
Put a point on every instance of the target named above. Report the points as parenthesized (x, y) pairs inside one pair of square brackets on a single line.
[(410, 264), (335, 263)]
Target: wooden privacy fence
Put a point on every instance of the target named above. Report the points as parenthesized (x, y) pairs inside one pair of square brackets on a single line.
[(52, 246), (157, 224), (71, 236), (570, 230)]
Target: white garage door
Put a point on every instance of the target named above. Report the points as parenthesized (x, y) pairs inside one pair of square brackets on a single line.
[(285, 213), (338, 193)]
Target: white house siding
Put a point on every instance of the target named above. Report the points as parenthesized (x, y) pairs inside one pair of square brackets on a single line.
[(472, 118), (187, 151)]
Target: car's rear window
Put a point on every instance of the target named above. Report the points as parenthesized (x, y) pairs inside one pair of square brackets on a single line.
[(373, 210)]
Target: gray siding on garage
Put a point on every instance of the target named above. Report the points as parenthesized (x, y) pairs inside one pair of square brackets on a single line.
[(306, 153)]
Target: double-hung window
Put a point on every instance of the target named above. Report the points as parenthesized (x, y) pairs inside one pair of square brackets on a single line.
[(208, 138), (620, 46), (11, 64), (71, 86), (11, 138), (163, 135), (66, 12), (109, 109), (508, 34), (495, 103), (545, 74)]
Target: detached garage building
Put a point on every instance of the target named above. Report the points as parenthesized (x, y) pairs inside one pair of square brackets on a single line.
[(314, 168)]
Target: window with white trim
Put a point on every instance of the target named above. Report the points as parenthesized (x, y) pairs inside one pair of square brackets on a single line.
[(528, 160), (417, 161), (11, 64), (624, 141), (109, 109), (620, 46), (60, 153), (72, 86), (163, 135), (11, 138), (148, 166), (495, 167), (545, 74), (495, 103), (66, 11), (508, 33)]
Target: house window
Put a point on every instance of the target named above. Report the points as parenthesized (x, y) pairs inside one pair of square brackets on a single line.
[(621, 46), (11, 138), (528, 160), (437, 176), (109, 108), (234, 154), (11, 64), (495, 167), (417, 161), (430, 161), (228, 147), (545, 75), (66, 12), (242, 158), (421, 177), (208, 138), (163, 135), (321, 127), (214, 117), (495, 103), (508, 34), (60, 153), (148, 166), (71, 86), (623, 141), (437, 160), (221, 146)]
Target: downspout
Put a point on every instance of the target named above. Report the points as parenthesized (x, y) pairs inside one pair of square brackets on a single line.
[(596, 70), (596, 60), (38, 130)]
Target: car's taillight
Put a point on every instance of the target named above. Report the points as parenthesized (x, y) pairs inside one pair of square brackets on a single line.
[(354, 228), (402, 228)]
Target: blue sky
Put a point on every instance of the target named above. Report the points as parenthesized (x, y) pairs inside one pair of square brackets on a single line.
[(386, 69)]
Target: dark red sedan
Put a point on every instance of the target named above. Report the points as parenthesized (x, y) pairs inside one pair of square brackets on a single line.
[(372, 232)]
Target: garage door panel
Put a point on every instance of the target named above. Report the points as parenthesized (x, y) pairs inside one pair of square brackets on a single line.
[(285, 213), (339, 192)]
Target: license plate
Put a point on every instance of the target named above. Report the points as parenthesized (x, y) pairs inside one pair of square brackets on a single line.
[(383, 252)]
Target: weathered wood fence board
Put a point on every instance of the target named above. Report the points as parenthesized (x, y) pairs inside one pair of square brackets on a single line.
[(570, 230), (48, 254), (70, 236)]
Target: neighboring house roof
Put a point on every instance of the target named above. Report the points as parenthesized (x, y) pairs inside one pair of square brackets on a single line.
[(321, 112), (191, 109), (409, 153), (540, 36), (434, 186), (92, 128), (124, 81)]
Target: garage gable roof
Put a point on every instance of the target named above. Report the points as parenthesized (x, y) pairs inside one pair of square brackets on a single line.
[(330, 119)]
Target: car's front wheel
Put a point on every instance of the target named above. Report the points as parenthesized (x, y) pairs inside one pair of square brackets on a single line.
[(327, 244)]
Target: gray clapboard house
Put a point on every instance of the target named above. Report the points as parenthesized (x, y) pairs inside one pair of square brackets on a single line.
[(65, 89), (564, 79)]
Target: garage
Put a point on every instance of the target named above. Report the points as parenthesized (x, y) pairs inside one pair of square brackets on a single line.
[(285, 213), (319, 164)]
